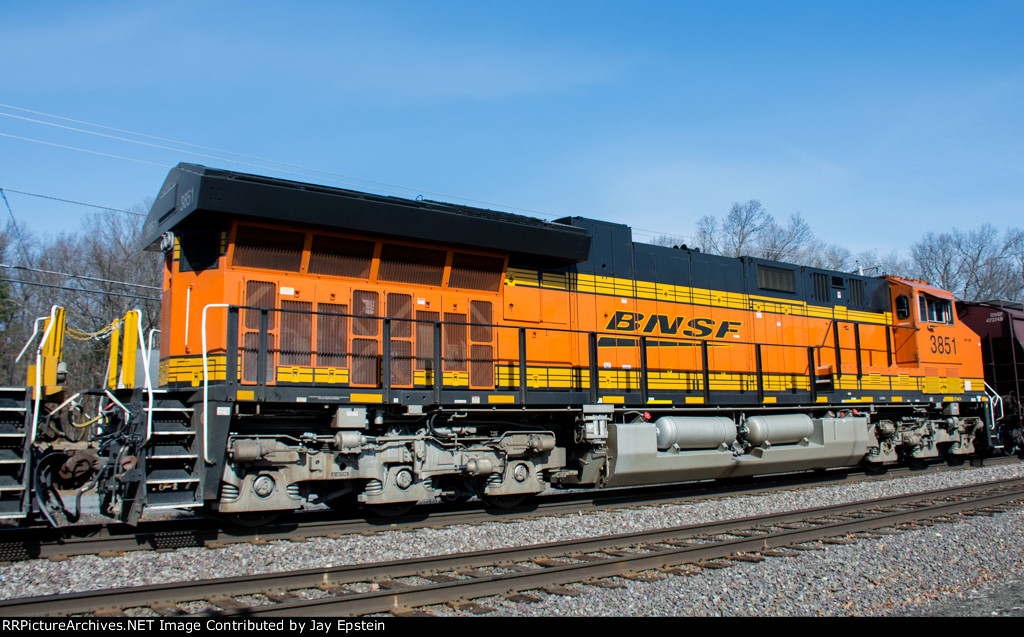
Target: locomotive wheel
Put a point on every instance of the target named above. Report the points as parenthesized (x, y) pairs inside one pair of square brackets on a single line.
[(390, 509), (505, 501), (916, 464), (873, 468), (953, 459), (250, 519)]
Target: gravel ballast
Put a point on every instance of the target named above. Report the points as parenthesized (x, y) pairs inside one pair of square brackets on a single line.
[(973, 567)]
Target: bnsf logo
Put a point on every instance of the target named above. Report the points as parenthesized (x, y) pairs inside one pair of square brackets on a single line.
[(669, 326)]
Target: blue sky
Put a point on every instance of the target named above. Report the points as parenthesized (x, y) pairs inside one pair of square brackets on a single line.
[(877, 121)]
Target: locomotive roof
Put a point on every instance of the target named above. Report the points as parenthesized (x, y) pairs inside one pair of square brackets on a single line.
[(195, 196)]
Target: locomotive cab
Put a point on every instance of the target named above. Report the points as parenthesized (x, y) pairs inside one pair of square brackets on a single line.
[(926, 334)]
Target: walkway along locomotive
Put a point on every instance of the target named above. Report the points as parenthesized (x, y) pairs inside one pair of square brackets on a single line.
[(330, 346)]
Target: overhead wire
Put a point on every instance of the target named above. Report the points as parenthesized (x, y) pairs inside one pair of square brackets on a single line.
[(17, 230), (71, 201), (305, 170), (78, 276), (85, 290), (83, 150)]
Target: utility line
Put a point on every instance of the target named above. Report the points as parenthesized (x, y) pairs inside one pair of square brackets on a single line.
[(17, 230), (79, 276), (79, 203), (306, 170), (62, 287), (64, 274), (83, 150)]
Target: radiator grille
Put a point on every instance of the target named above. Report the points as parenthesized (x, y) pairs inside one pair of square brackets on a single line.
[(481, 368), (401, 363), (400, 307), (331, 333), (480, 316), (454, 342), (268, 249), (425, 339), (364, 362), (260, 294), (365, 304), (780, 279), (250, 356), (405, 264), (333, 256), (296, 333), (474, 272)]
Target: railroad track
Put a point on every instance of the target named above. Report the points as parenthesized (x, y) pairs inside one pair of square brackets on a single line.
[(399, 587), (114, 539)]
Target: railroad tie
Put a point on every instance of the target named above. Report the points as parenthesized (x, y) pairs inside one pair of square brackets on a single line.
[(471, 607), (805, 547), (562, 590), (547, 562), (715, 563), (228, 603), (441, 578), (167, 610), (282, 598), (747, 557), (410, 612), (334, 589), (646, 576), (680, 572), (522, 598)]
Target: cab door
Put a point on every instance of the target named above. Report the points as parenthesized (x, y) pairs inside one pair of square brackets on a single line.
[(904, 325)]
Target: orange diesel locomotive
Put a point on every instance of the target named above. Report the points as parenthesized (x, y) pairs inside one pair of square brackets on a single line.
[(323, 345)]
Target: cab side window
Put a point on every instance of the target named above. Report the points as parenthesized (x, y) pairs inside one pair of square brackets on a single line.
[(902, 307), (935, 310)]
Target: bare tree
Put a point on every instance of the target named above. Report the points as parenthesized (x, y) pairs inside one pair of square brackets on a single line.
[(974, 265), (744, 227), (829, 256), (669, 241), (708, 234), (21, 301), (784, 243), (97, 274), (750, 230), (738, 233)]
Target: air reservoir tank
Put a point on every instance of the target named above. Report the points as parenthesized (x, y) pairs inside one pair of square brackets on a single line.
[(777, 430), (708, 432)]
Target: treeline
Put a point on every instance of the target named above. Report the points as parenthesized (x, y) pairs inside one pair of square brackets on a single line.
[(975, 265), (96, 273)]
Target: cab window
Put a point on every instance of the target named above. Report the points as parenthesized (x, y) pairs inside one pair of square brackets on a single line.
[(933, 310), (902, 307)]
